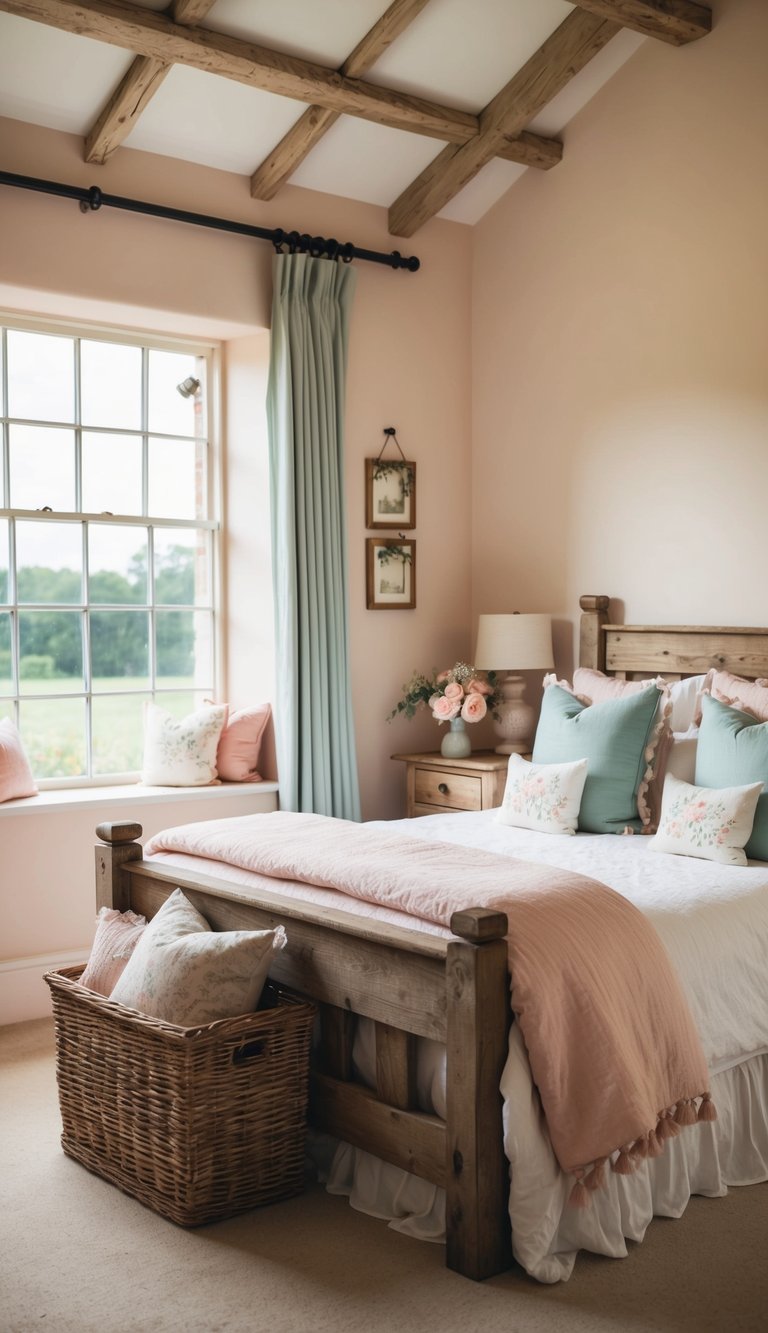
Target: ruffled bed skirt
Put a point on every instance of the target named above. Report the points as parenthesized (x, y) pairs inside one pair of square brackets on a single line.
[(546, 1232)]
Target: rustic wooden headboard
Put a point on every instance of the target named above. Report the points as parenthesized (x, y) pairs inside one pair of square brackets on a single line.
[(672, 650)]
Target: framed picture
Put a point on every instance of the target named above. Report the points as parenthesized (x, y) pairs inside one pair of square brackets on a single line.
[(390, 582), (390, 494)]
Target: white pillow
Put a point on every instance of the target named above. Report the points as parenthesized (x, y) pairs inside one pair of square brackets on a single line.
[(186, 973), (713, 823), (181, 752), (683, 695), (681, 760), (544, 797)]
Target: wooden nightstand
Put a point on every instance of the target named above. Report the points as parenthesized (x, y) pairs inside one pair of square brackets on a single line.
[(437, 785)]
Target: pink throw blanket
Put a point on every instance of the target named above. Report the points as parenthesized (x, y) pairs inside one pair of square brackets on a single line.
[(611, 1043)]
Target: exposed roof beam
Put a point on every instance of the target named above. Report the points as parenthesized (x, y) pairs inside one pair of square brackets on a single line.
[(154, 35), (149, 33), (675, 21), (530, 150), (317, 120), (135, 90), (562, 55)]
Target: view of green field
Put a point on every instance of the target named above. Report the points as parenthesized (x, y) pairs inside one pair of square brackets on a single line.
[(54, 729)]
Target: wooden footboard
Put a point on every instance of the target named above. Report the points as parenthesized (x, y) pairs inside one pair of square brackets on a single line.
[(411, 985)]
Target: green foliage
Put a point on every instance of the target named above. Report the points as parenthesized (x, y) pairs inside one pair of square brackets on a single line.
[(39, 667), (119, 639), (416, 693), (405, 472)]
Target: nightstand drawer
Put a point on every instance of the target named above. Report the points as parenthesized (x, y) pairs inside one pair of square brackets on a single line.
[(452, 791)]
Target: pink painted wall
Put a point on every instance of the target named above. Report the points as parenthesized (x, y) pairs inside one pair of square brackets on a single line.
[(409, 366), (620, 328)]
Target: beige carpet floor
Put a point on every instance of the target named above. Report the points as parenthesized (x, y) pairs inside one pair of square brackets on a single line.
[(77, 1255)]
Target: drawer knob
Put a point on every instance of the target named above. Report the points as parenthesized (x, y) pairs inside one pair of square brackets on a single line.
[(442, 787)]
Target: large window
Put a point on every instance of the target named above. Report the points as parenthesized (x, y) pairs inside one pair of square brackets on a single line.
[(106, 544)]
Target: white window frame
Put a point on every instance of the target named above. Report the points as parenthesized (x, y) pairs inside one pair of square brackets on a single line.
[(211, 352)]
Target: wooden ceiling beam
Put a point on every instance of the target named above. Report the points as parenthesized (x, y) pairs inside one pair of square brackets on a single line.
[(149, 33), (123, 108), (675, 21), (156, 37), (569, 48), (315, 122), (135, 90)]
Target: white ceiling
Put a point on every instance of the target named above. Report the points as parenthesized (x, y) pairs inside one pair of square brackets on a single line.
[(456, 52)]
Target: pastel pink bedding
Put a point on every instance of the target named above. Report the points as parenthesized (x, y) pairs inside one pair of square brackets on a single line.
[(611, 1043)]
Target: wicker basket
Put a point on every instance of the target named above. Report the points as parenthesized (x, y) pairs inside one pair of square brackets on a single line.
[(196, 1123)]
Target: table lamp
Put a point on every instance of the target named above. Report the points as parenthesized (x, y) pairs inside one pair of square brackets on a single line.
[(520, 643)]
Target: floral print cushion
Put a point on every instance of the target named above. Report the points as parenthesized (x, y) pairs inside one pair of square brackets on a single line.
[(543, 797), (186, 973), (181, 751), (713, 823)]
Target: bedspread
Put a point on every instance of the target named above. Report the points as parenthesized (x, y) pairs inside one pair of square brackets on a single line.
[(610, 1040)]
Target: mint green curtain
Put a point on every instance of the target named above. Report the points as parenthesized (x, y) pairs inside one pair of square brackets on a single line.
[(314, 730)]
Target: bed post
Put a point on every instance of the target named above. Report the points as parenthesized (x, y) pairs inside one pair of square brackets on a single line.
[(591, 638), (121, 846), (477, 1173)]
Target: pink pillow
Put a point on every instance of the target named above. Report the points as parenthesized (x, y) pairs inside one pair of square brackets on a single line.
[(237, 758), (15, 774), (117, 934), (751, 696), (596, 687)]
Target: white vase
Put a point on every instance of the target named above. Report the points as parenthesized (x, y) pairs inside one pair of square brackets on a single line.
[(456, 743)]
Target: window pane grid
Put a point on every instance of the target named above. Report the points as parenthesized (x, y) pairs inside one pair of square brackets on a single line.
[(104, 430), (81, 661)]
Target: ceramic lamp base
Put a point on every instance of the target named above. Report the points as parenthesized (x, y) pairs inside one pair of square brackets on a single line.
[(515, 724)]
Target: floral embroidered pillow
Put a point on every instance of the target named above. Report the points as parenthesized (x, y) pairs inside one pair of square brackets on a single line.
[(543, 797), (181, 751), (713, 823), (186, 973)]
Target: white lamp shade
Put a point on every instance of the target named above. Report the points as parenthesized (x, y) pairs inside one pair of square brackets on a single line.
[(518, 642)]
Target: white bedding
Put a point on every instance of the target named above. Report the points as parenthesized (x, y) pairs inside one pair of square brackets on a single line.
[(713, 920)]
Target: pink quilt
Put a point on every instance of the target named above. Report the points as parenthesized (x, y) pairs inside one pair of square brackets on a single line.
[(611, 1043)]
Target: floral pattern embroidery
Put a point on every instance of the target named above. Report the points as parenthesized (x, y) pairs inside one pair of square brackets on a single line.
[(537, 797), (701, 822), (186, 973), (182, 751)]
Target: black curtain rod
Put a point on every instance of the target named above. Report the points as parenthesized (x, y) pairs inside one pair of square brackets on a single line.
[(293, 241)]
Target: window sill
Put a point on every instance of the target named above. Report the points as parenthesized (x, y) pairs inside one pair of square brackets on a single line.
[(92, 798)]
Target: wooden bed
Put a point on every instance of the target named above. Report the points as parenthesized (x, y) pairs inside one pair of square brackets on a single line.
[(414, 985)]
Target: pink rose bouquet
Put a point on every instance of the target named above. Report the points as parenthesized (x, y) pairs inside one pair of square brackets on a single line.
[(459, 692)]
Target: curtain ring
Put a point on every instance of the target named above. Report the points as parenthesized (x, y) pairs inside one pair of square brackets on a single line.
[(317, 246), (332, 248), (347, 253), (278, 240), (93, 202)]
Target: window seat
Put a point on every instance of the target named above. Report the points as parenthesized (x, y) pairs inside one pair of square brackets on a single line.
[(254, 795)]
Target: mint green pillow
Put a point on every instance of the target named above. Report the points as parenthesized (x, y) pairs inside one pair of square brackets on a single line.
[(732, 750), (612, 736)]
